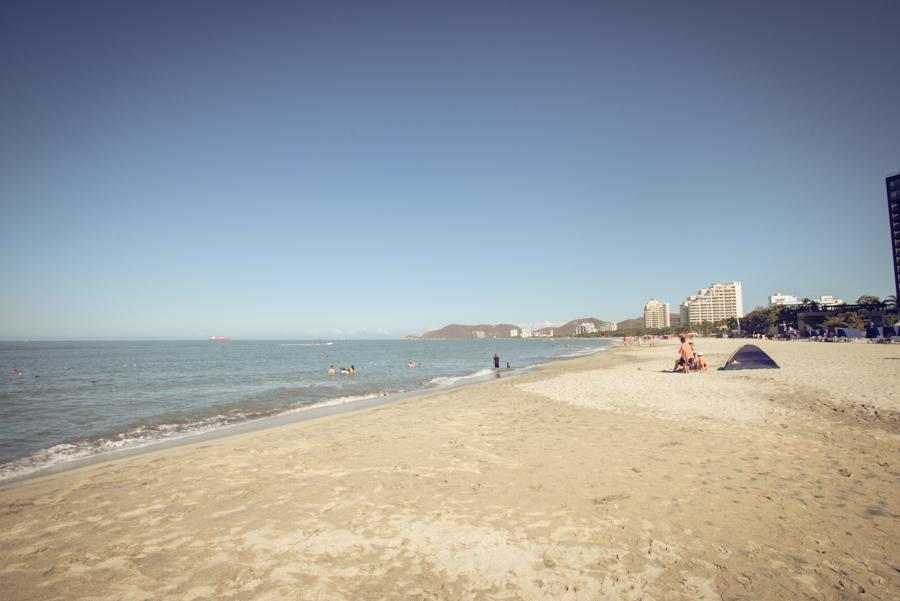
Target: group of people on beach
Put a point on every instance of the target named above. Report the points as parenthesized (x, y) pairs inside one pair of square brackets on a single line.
[(351, 371), (688, 359)]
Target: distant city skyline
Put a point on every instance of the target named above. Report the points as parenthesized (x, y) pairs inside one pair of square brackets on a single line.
[(371, 171)]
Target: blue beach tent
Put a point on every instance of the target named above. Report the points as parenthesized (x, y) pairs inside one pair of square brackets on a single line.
[(750, 356)]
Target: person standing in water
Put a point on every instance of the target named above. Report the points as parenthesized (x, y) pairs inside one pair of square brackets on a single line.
[(496, 361)]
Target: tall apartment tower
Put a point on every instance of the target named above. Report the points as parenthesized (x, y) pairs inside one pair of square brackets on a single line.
[(719, 301), (656, 314), (893, 198)]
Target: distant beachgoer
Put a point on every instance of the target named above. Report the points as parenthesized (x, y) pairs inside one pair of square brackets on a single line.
[(701, 362), (345, 371), (331, 370), (496, 361), (410, 364), (352, 370), (507, 365), (686, 356)]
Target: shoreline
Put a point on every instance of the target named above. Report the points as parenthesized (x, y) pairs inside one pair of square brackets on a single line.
[(607, 477), (317, 410)]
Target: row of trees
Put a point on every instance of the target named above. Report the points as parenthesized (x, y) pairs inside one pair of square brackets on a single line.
[(766, 320)]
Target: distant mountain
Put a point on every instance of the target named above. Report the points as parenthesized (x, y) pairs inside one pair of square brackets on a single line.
[(638, 322), (461, 332), (568, 328)]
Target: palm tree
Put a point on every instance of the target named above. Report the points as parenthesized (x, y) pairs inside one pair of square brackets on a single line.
[(868, 301), (808, 304)]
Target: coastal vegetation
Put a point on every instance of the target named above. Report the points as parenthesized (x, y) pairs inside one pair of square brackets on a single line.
[(768, 320), (761, 320)]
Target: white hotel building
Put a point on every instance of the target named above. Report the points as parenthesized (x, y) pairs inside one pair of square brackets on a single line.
[(826, 300), (585, 328), (718, 301), (783, 300), (656, 314)]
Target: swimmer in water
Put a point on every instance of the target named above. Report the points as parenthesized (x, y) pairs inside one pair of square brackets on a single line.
[(331, 370)]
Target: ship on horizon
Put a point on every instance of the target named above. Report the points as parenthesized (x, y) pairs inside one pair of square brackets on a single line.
[(218, 338)]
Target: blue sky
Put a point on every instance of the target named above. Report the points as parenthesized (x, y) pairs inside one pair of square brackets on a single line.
[(277, 170)]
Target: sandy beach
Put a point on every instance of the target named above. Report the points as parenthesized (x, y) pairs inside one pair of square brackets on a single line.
[(599, 478)]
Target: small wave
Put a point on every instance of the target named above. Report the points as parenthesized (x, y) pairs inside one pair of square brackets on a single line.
[(139, 436), (336, 401), (145, 435), (584, 352), (448, 380)]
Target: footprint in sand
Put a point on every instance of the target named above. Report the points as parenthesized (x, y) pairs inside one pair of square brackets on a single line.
[(608, 499)]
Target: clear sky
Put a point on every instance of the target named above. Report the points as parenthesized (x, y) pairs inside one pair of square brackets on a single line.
[(272, 170)]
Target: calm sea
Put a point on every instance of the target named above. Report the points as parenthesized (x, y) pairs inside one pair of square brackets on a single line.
[(61, 401)]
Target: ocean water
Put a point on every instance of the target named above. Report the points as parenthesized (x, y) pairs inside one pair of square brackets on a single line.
[(61, 401)]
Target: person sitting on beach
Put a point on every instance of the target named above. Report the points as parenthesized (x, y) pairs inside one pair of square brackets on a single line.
[(701, 362), (685, 356), (331, 370)]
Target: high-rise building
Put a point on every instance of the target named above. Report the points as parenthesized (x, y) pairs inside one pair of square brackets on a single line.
[(779, 299), (608, 326), (892, 184), (656, 314), (585, 328), (719, 301)]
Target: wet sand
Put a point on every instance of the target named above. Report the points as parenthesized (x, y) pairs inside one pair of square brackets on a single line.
[(598, 478)]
